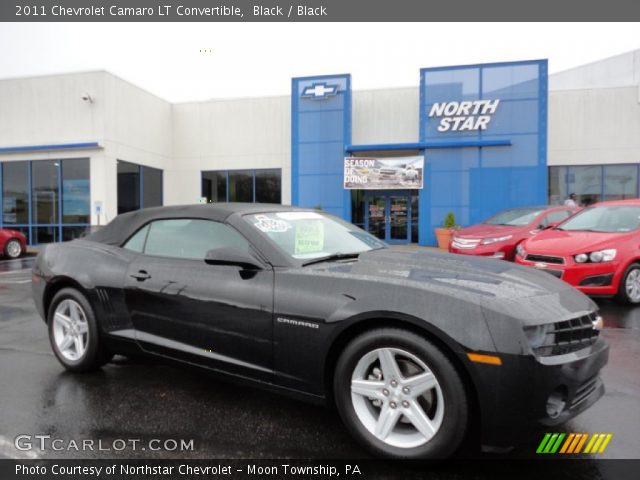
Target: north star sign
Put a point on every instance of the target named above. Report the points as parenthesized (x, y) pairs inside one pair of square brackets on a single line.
[(464, 116)]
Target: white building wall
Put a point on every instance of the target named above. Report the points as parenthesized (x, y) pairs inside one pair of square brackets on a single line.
[(385, 116), (594, 126), (232, 134), (618, 71)]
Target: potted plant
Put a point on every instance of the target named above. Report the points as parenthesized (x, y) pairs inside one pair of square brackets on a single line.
[(445, 233)]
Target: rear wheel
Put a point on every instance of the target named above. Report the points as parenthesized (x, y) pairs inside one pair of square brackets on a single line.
[(400, 395), (13, 249), (74, 333), (629, 289)]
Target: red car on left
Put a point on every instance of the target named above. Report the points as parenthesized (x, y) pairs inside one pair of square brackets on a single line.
[(12, 243), (499, 235)]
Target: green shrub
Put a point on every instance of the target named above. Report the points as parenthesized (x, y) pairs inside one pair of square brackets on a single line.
[(450, 220)]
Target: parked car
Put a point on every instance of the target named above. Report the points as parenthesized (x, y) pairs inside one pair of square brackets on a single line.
[(597, 250), (12, 243), (414, 348), (499, 235)]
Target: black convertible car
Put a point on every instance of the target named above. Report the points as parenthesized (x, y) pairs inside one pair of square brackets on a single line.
[(415, 349)]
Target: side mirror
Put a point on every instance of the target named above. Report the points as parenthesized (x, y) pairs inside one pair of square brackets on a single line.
[(231, 256)]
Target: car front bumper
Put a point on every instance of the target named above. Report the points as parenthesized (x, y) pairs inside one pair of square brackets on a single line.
[(590, 278), (514, 397), (497, 250)]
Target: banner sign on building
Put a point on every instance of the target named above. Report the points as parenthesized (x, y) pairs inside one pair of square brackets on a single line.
[(398, 173)]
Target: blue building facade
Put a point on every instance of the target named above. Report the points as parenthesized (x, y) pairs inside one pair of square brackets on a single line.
[(482, 133)]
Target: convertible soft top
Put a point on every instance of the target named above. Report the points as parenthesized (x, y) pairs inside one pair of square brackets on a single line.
[(123, 226)]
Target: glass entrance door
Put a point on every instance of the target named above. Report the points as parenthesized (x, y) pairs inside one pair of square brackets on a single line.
[(388, 216)]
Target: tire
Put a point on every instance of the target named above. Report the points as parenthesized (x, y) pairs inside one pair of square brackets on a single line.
[(630, 294), (444, 402), (74, 334), (13, 249)]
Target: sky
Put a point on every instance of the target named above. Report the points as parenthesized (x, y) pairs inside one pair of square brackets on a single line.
[(183, 62)]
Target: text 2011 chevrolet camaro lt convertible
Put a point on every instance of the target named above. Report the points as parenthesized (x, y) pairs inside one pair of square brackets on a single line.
[(415, 349)]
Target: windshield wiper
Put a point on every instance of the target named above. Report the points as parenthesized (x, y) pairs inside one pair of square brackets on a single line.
[(332, 258)]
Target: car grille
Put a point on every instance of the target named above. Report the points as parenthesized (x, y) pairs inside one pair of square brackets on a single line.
[(569, 336), (465, 243), (532, 257)]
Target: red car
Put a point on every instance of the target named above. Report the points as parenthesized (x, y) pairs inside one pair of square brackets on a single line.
[(12, 243), (597, 250), (499, 235)]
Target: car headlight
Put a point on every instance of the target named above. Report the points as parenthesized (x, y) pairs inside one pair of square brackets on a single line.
[(581, 258), (539, 335), (486, 241), (520, 250), (597, 256)]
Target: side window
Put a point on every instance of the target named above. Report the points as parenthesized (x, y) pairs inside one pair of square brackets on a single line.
[(190, 238), (556, 217), (136, 243)]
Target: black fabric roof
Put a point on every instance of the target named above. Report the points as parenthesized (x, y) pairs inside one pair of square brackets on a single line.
[(123, 226)]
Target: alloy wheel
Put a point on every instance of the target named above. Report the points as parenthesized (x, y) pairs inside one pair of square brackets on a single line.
[(70, 329), (13, 249), (632, 285), (397, 398)]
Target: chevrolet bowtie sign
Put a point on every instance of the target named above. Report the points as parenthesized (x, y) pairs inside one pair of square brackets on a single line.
[(319, 90), (464, 116)]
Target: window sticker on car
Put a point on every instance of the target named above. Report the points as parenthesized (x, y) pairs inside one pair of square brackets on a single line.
[(270, 225), (309, 237), (298, 215)]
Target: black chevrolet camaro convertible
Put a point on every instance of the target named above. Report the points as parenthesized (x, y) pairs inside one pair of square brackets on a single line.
[(415, 349)]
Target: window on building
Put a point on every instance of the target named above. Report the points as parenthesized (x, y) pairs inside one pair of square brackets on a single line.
[(47, 200), (128, 187), (260, 186), (151, 187), (241, 186), (593, 183), (214, 186), (76, 191), (15, 193), (620, 182), (268, 186), (138, 187)]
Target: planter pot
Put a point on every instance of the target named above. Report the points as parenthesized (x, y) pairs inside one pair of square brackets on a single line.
[(444, 237)]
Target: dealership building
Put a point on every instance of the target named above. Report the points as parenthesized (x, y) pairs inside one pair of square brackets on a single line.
[(78, 149)]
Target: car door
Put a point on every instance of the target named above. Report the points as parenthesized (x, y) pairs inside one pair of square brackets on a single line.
[(213, 315)]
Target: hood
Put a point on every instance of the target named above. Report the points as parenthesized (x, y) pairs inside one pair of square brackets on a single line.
[(565, 243), (502, 289), (483, 230), (433, 270)]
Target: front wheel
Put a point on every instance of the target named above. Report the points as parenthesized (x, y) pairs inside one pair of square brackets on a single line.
[(13, 249), (74, 334), (629, 289), (400, 396)]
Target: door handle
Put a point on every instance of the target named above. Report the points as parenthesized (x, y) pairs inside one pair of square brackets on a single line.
[(141, 276)]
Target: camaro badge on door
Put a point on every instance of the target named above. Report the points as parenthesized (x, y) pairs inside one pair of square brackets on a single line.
[(298, 323)]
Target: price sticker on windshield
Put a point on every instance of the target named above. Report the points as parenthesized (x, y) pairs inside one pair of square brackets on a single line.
[(309, 237)]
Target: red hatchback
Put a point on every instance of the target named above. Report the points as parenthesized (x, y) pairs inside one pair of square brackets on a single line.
[(499, 235), (12, 243), (597, 251)]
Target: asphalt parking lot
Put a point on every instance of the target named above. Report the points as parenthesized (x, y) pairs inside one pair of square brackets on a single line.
[(140, 400)]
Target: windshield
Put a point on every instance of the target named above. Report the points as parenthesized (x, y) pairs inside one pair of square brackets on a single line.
[(310, 235), (518, 217), (613, 219)]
